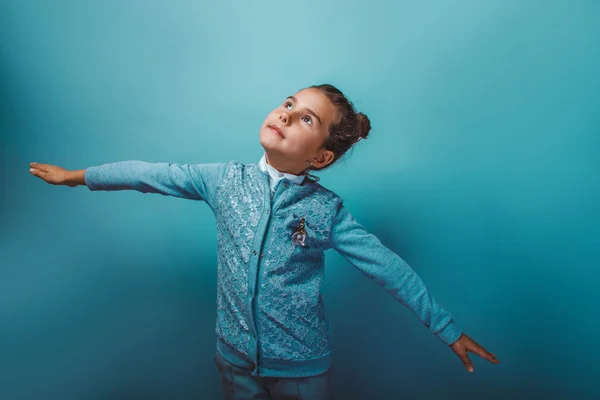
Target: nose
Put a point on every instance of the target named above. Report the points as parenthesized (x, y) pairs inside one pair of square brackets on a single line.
[(284, 117)]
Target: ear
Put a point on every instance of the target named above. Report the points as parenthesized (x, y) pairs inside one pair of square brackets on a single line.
[(324, 158)]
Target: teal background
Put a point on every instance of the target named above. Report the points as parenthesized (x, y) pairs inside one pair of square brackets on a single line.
[(481, 171)]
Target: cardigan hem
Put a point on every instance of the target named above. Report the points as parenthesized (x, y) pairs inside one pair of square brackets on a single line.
[(276, 368)]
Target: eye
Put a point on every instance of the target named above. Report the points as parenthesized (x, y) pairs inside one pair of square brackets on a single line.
[(309, 120), (286, 104)]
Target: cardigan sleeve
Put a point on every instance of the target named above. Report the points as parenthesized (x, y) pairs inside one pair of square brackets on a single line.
[(366, 252), (188, 181)]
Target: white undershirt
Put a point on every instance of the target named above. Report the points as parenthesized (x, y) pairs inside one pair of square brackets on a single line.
[(275, 176)]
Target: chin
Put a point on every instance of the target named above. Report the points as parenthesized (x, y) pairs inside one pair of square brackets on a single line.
[(266, 145), (267, 140)]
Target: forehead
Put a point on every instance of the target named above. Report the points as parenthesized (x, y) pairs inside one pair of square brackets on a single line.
[(316, 101)]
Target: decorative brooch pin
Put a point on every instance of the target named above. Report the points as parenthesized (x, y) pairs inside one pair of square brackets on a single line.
[(299, 234)]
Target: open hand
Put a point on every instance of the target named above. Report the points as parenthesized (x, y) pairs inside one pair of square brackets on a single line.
[(464, 344), (52, 174)]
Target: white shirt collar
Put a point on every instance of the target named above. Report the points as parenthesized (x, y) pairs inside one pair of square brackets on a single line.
[(275, 176)]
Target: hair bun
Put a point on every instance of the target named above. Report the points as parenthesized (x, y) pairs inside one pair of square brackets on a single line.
[(363, 125)]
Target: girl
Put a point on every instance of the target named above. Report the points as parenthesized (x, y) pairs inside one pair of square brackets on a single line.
[(274, 222)]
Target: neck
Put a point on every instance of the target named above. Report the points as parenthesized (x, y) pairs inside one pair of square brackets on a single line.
[(280, 166)]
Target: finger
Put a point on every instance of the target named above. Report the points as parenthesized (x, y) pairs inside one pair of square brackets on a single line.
[(41, 167), (37, 172), (492, 358), (467, 362), (483, 353)]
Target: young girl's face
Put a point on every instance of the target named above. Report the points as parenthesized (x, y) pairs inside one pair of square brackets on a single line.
[(293, 134)]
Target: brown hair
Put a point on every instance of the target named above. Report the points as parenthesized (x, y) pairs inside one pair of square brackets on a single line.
[(347, 128)]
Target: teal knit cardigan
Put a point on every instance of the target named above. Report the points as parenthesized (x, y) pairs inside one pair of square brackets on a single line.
[(270, 312)]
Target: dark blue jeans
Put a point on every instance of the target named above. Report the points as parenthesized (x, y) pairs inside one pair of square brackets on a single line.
[(238, 384)]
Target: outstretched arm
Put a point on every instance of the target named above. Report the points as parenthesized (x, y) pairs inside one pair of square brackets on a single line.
[(190, 181), (366, 252)]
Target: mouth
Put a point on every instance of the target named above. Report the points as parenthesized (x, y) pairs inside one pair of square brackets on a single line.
[(276, 130)]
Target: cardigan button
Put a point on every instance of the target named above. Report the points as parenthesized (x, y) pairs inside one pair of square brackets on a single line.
[(262, 254), (254, 252)]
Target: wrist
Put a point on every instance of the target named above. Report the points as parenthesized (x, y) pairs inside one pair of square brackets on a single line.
[(75, 178)]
